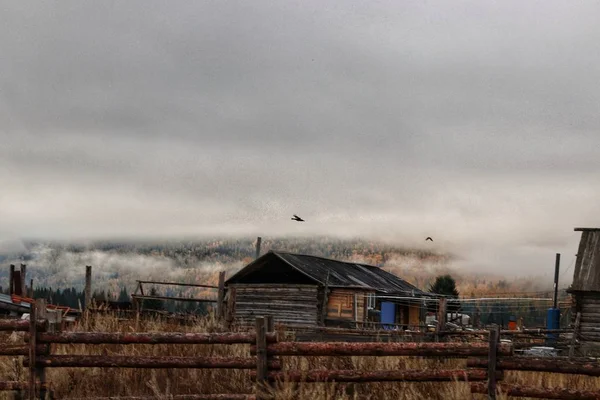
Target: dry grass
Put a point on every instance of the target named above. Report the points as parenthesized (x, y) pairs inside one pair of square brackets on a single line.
[(90, 382)]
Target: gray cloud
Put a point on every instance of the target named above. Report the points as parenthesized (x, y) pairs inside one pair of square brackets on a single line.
[(473, 122)]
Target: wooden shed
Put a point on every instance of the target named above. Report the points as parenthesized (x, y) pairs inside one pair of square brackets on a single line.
[(312, 291), (585, 288)]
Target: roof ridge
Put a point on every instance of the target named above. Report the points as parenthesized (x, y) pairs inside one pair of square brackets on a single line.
[(323, 258)]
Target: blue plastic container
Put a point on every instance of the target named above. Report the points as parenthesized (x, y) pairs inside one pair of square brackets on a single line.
[(388, 314), (553, 322)]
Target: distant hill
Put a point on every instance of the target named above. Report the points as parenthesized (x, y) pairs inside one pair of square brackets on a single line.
[(117, 264)]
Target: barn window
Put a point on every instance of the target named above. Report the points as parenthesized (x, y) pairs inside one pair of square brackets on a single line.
[(370, 301)]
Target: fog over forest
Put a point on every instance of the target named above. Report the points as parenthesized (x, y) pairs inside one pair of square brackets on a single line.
[(475, 123)]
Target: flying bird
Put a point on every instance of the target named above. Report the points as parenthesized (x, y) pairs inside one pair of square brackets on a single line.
[(429, 238), (297, 218)]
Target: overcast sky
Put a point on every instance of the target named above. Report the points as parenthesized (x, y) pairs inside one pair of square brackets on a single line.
[(474, 122)]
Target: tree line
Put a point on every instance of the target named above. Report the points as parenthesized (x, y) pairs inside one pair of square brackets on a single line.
[(73, 298)]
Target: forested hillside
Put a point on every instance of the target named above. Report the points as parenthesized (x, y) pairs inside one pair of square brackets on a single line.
[(118, 264)]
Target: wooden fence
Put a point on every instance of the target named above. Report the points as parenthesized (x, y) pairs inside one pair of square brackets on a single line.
[(485, 366)]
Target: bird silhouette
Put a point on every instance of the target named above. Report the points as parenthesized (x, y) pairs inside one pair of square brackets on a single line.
[(429, 238), (297, 218)]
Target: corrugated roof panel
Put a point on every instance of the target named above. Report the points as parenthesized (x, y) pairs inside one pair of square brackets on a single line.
[(6, 299), (345, 274)]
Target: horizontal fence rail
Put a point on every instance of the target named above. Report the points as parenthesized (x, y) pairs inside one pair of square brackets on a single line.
[(178, 397), (537, 393), (18, 325), (180, 284), (357, 376), (486, 361), (152, 297), (150, 338), (550, 364), (19, 350), (84, 361), (307, 349)]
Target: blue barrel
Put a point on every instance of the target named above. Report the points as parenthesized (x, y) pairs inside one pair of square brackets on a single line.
[(388, 314), (553, 322)]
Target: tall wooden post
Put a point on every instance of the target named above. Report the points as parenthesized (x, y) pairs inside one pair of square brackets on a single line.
[(23, 280), (477, 316), (325, 301), (88, 286), (441, 317), (221, 296), (270, 323), (575, 334), (137, 307), (493, 350), (30, 288), (32, 346), (258, 240), (261, 357), (423, 316), (42, 314), (230, 312), (11, 280)]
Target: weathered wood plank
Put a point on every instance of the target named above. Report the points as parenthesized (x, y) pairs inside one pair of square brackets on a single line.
[(492, 362), (216, 396), (18, 350), (68, 361), (150, 338), (17, 325), (558, 365), (307, 349), (361, 376)]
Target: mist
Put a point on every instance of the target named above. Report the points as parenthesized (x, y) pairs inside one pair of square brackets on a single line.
[(474, 123)]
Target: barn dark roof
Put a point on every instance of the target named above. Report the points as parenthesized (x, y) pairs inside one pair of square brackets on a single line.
[(335, 273)]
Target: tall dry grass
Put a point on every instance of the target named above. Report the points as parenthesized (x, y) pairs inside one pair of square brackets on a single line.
[(95, 382)]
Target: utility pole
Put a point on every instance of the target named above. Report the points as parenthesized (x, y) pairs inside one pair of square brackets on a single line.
[(556, 269)]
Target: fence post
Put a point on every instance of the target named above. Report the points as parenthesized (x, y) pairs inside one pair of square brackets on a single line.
[(494, 338), (23, 280), (575, 333), (221, 296), (441, 317), (270, 323), (230, 312), (40, 305), (32, 344), (11, 280), (88, 286), (261, 357)]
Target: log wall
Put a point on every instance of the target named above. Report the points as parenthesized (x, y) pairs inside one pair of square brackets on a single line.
[(288, 304), (588, 304), (585, 288)]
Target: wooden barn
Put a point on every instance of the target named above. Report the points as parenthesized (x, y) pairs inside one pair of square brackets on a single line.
[(585, 288), (313, 291)]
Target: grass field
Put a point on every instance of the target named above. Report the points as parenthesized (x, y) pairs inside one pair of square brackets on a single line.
[(90, 382)]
